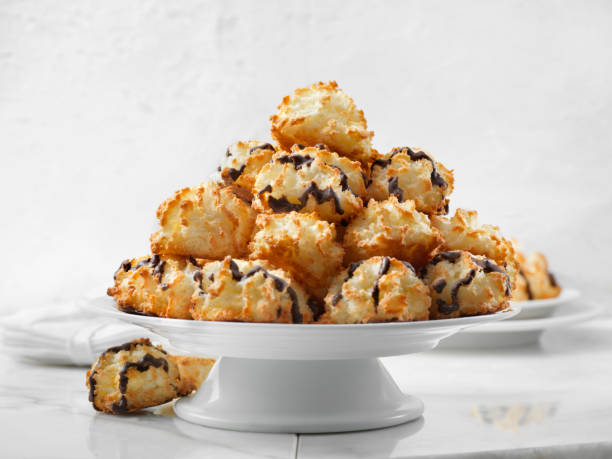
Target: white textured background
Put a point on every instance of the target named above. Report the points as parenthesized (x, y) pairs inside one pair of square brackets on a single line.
[(107, 107)]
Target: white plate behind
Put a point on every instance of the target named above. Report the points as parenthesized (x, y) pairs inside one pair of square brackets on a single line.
[(532, 309), (521, 332)]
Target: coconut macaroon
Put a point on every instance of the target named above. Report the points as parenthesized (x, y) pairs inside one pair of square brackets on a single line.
[(380, 289), (463, 284), (391, 228), (534, 280), (323, 113), (193, 371), (243, 160), (301, 244), (310, 180), (411, 174), (156, 285), (132, 376), (464, 232), (205, 221), (249, 291)]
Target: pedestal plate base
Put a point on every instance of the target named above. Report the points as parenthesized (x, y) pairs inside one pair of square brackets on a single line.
[(291, 396)]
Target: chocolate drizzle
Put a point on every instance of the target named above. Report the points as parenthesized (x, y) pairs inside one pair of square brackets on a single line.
[(158, 268), (446, 308), (435, 177), (318, 146), (527, 286), (235, 173), (395, 190), (143, 365), (439, 285), (126, 265), (321, 196), (351, 270), (451, 256), (382, 163), (198, 277), (92, 389), (120, 407), (279, 284), (489, 267), (384, 268), (552, 279), (282, 204), (409, 266), (236, 274), (263, 146), (142, 263), (316, 307), (343, 179), (131, 344), (298, 161), (157, 264), (267, 188), (194, 262)]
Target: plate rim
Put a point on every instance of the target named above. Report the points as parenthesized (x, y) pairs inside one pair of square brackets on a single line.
[(580, 313), (566, 295), (109, 309)]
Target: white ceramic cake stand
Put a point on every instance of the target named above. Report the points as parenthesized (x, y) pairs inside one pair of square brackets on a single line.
[(299, 378)]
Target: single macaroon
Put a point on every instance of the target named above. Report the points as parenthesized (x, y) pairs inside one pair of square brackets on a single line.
[(394, 229), (301, 244), (534, 280), (250, 291), (193, 371), (156, 285), (131, 377), (243, 161), (310, 180), (379, 289), (464, 232), (463, 284), (408, 173), (205, 221), (323, 113)]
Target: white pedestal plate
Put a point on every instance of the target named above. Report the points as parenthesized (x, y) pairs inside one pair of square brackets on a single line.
[(299, 378)]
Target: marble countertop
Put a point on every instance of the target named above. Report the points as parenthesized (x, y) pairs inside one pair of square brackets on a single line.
[(550, 400)]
